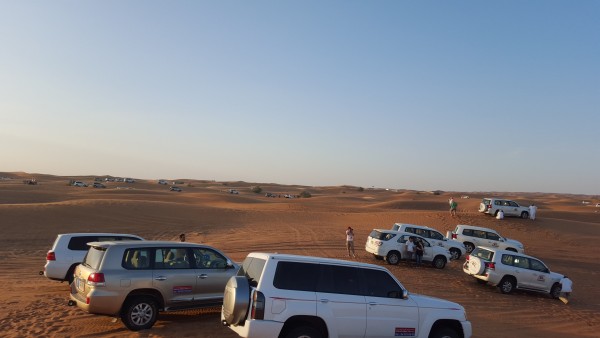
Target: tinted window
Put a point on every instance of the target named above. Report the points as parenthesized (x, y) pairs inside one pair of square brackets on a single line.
[(205, 258), (507, 259), (492, 236), (382, 236), (537, 265), (478, 233), (435, 235), (483, 254), (380, 284), (80, 242), (468, 232), (172, 258), (339, 279), (422, 232), (136, 259), (252, 268), (94, 256), (410, 229), (521, 262), (296, 276)]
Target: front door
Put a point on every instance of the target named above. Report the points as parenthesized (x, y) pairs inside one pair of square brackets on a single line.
[(174, 276)]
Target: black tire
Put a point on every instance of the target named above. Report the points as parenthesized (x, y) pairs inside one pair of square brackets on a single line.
[(444, 332), (393, 257), (304, 332), (455, 253), (507, 285), (469, 247), (555, 290), (139, 313), (439, 262), (69, 277), (524, 215), (236, 300)]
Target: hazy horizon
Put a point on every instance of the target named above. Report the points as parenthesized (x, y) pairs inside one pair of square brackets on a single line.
[(429, 95)]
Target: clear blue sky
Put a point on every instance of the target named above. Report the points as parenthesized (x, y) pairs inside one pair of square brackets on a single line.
[(449, 95)]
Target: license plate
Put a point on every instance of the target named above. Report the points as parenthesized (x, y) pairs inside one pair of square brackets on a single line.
[(80, 284)]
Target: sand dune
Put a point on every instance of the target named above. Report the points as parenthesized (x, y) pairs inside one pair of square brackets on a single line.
[(564, 236)]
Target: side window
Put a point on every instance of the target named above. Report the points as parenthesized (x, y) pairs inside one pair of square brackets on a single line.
[(136, 259), (380, 284), (468, 232), (422, 232), (339, 279), (209, 259), (410, 229), (497, 202), (171, 258), (403, 239), (80, 243), (252, 269), (435, 235), (513, 204), (507, 259), (537, 265), (479, 233), (296, 276), (521, 262), (506, 203), (492, 236)]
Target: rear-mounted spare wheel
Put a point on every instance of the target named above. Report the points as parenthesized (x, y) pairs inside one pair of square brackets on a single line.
[(236, 300)]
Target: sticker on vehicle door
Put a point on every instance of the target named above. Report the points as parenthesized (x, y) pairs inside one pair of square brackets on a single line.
[(541, 278), (405, 332), (182, 289)]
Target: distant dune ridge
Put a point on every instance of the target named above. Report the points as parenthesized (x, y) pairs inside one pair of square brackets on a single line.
[(564, 236)]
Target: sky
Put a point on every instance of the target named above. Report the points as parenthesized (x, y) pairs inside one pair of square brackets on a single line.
[(425, 95)]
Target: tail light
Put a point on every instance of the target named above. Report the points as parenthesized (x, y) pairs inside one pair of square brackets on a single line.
[(50, 256), (258, 305), (453, 236), (468, 256), (96, 279), (489, 206), (490, 265)]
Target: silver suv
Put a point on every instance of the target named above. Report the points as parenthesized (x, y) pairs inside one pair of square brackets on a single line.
[(289, 296), (68, 251), (509, 270), (491, 206), (136, 279)]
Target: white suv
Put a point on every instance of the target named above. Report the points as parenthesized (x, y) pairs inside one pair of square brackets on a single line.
[(391, 245), (473, 236), (510, 208), (456, 248), (288, 296), (509, 270), (69, 249)]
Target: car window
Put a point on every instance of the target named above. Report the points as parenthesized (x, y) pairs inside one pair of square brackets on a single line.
[(380, 284), (296, 276), (339, 279), (252, 269), (537, 265), (171, 258), (94, 256), (410, 229), (492, 236), (424, 242), (435, 235), (468, 232), (205, 258), (521, 262), (506, 203), (403, 239), (513, 204), (136, 259), (497, 202), (382, 236), (483, 254), (479, 233), (422, 232), (507, 259)]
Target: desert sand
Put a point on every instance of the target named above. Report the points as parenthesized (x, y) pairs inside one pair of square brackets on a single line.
[(565, 236)]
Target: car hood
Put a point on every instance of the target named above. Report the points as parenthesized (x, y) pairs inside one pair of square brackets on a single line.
[(435, 303), (514, 242), (556, 276)]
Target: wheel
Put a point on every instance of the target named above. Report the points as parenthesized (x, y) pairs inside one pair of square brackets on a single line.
[(304, 332), (69, 277), (444, 332), (469, 247), (393, 258), (139, 313), (507, 285), (439, 262), (555, 291), (455, 253), (524, 215)]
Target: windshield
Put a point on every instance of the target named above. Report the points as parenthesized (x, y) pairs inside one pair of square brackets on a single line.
[(484, 254), (94, 256)]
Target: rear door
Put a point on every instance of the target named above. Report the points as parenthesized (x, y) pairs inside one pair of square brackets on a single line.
[(340, 301), (388, 314)]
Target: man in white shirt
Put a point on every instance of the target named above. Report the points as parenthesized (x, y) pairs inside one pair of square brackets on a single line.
[(566, 289), (350, 242), (410, 249), (532, 211), (500, 214)]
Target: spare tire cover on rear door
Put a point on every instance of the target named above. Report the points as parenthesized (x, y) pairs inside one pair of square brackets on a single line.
[(236, 300), (475, 266)]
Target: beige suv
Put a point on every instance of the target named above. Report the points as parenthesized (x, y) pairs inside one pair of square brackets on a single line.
[(134, 280)]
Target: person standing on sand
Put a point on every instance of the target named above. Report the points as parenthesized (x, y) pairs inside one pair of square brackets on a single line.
[(500, 214), (419, 251), (532, 211), (182, 238), (453, 206), (566, 289), (350, 242), (410, 248)]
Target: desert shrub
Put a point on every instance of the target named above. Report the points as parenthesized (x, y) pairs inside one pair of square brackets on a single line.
[(305, 194), (256, 189)]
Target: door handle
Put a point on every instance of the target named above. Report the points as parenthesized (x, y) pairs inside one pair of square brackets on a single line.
[(160, 278), (324, 300), (372, 303), (203, 276)]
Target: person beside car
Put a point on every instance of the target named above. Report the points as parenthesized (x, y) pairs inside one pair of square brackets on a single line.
[(532, 211), (500, 214), (419, 251)]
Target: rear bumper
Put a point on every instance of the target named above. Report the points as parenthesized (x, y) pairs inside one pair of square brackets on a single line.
[(100, 301)]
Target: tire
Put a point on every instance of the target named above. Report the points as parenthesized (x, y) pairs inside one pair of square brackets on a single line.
[(393, 257), (444, 332), (69, 277), (304, 332), (455, 253), (139, 313), (507, 285), (469, 247), (236, 300), (439, 262), (555, 291), (524, 215)]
